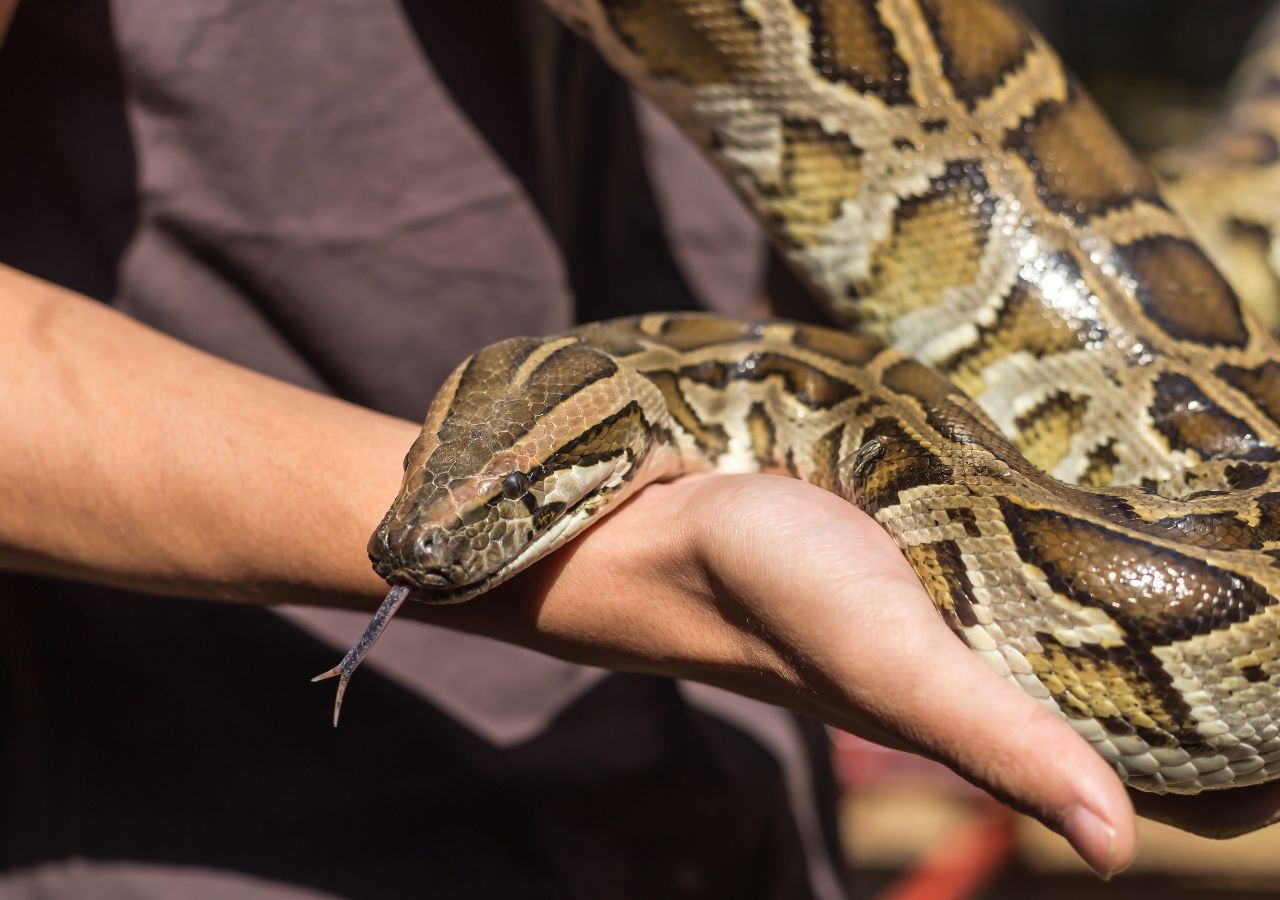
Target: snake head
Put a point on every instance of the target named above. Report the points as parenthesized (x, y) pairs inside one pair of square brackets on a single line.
[(525, 442)]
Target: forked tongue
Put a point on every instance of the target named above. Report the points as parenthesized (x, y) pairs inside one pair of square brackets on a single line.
[(372, 632)]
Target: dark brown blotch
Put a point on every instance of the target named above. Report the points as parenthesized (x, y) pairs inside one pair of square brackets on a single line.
[(1156, 595), (1081, 165), (940, 566), (1244, 476), (1267, 529), (1253, 674), (981, 42), (1100, 467), (920, 382), (1211, 531), (851, 44), (966, 519), (1260, 384), (951, 414), (903, 462), (1180, 289), (1186, 416), (697, 42), (826, 457)]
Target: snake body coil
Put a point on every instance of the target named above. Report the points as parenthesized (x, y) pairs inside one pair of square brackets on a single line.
[(1074, 438)]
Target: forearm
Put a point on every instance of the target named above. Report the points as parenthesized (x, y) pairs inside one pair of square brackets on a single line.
[(7, 9), (129, 458)]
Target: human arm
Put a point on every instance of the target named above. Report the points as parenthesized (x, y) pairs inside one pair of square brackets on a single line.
[(198, 478), (129, 458), (7, 8)]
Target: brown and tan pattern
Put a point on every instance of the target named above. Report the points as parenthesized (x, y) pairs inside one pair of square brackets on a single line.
[(1145, 616), (1074, 431)]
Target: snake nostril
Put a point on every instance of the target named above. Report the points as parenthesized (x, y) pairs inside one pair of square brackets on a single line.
[(423, 545), (428, 548)]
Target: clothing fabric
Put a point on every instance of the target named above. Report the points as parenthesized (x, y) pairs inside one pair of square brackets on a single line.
[(352, 196)]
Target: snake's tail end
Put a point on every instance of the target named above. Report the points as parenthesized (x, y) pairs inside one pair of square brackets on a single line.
[(345, 669)]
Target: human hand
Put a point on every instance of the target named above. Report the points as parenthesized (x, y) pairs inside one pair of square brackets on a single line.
[(776, 589)]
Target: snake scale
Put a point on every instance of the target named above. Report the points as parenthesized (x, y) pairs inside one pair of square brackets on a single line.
[(1054, 403)]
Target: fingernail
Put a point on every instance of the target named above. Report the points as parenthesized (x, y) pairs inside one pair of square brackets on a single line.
[(1093, 839)]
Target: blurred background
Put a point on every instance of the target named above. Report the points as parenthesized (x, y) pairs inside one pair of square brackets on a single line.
[(911, 829), (1159, 67)]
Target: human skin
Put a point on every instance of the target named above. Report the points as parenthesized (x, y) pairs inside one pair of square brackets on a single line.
[(131, 459), (7, 8)]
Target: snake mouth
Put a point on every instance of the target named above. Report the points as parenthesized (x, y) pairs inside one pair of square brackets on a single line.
[(436, 590), (431, 586), (419, 581), (439, 590)]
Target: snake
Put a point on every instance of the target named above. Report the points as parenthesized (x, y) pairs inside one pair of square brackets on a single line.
[(1034, 376)]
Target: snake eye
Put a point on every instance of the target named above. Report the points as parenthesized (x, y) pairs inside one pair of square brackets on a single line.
[(515, 485)]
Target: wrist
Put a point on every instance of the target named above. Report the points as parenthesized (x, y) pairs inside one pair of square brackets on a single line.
[(644, 590), (307, 505)]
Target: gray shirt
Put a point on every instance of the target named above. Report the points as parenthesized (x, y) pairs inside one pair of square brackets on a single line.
[(352, 196)]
